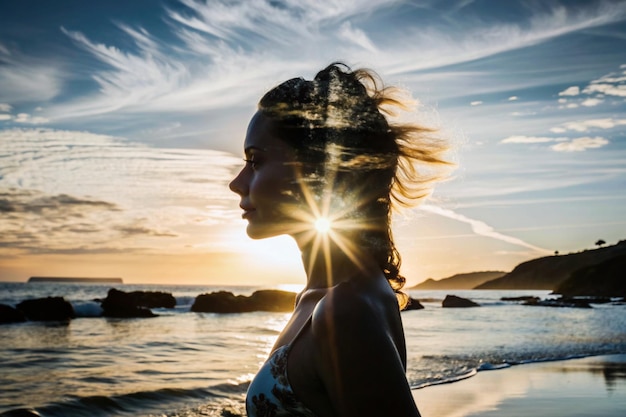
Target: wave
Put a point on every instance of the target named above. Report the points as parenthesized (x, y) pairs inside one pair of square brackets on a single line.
[(488, 366), (87, 309), (447, 380), (144, 402)]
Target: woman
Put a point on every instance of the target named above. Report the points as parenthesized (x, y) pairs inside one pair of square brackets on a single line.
[(322, 153)]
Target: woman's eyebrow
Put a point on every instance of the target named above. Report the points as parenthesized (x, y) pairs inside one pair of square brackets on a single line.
[(254, 148)]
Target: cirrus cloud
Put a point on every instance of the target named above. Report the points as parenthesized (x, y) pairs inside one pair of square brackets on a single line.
[(580, 144)]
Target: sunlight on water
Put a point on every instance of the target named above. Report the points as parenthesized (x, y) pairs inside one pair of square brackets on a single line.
[(182, 358), (290, 287)]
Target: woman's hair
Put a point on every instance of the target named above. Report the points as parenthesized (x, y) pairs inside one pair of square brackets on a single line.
[(338, 124)]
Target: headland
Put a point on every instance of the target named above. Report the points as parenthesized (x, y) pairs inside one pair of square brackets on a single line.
[(81, 280)]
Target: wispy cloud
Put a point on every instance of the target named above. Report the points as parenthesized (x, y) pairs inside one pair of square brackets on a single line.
[(585, 125), (564, 145), (580, 144), (27, 79), (59, 188), (481, 228), (528, 139), (235, 51), (356, 36)]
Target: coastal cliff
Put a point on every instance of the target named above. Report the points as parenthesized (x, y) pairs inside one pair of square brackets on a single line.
[(549, 272), (605, 279), (465, 281)]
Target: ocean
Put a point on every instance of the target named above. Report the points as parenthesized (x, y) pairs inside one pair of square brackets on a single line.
[(199, 364)]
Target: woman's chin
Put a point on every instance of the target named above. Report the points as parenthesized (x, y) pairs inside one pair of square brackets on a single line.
[(256, 232), (261, 232)]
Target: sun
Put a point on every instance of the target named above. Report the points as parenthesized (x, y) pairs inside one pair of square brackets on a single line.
[(322, 225)]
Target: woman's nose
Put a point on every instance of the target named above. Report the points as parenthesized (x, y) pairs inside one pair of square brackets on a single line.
[(237, 185)]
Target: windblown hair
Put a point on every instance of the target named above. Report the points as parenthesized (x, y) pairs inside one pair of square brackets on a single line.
[(339, 126)]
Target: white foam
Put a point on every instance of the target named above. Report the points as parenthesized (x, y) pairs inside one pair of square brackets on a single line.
[(87, 309)]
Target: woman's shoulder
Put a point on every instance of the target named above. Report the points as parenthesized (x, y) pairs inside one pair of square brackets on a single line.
[(352, 306)]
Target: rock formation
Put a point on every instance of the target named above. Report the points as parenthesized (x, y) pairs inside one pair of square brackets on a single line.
[(125, 305), (456, 302), (227, 302), (47, 309)]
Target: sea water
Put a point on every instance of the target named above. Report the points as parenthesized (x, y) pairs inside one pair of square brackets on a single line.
[(199, 364)]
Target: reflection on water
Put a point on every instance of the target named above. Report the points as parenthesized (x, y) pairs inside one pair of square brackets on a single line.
[(613, 371), (591, 386)]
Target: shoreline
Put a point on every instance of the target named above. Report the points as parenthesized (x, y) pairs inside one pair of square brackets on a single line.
[(589, 386)]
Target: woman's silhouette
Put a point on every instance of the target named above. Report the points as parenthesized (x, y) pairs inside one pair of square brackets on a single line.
[(323, 153)]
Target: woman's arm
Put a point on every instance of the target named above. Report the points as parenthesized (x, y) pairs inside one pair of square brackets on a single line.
[(357, 359)]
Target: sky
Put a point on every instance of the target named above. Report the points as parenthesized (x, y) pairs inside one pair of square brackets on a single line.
[(121, 124)]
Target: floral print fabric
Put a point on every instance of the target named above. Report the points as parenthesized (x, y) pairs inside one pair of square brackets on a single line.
[(270, 394)]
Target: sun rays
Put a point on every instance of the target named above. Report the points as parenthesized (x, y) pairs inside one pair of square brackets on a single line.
[(327, 224), (322, 225)]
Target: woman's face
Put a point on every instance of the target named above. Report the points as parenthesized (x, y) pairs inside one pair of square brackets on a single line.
[(267, 184)]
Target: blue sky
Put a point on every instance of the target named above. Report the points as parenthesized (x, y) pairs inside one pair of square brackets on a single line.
[(121, 124)]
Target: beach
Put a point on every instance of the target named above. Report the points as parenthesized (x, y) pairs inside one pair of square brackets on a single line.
[(183, 363), (584, 387)]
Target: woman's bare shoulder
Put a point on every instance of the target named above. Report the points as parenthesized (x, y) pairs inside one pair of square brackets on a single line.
[(352, 307), (353, 327)]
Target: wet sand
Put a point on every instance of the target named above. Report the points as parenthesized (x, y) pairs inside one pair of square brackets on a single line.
[(594, 386)]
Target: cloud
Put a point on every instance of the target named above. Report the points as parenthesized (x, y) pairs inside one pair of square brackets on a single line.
[(585, 125), (476, 103), (142, 230), (527, 139), (227, 53), (570, 91), (580, 144), (36, 222), (356, 36), (27, 119), (66, 190), (481, 228), (592, 102), (132, 79), (512, 98), (5, 117), (29, 201), (25, 78), (606, 89), (565, 144)]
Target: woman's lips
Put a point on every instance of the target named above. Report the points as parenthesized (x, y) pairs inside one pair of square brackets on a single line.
[(247, 212)]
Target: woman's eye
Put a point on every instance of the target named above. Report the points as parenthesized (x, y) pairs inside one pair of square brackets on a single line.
[(252, 163)]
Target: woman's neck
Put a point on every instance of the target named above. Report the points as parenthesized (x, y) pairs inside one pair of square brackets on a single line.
[(326, 264)]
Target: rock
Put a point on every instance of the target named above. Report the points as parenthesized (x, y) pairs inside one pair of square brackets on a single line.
[(218, 302), (47, 309), (455, 302), (153, 299), (273, 300), (9, 314), (413, 304), (559, 302), (525, 298), (227, 302), (124, 305)]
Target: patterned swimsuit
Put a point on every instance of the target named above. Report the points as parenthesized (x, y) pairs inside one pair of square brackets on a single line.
[(270, 394)]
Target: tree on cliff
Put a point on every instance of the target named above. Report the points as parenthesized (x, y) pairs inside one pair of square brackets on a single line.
[(600, 242)]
